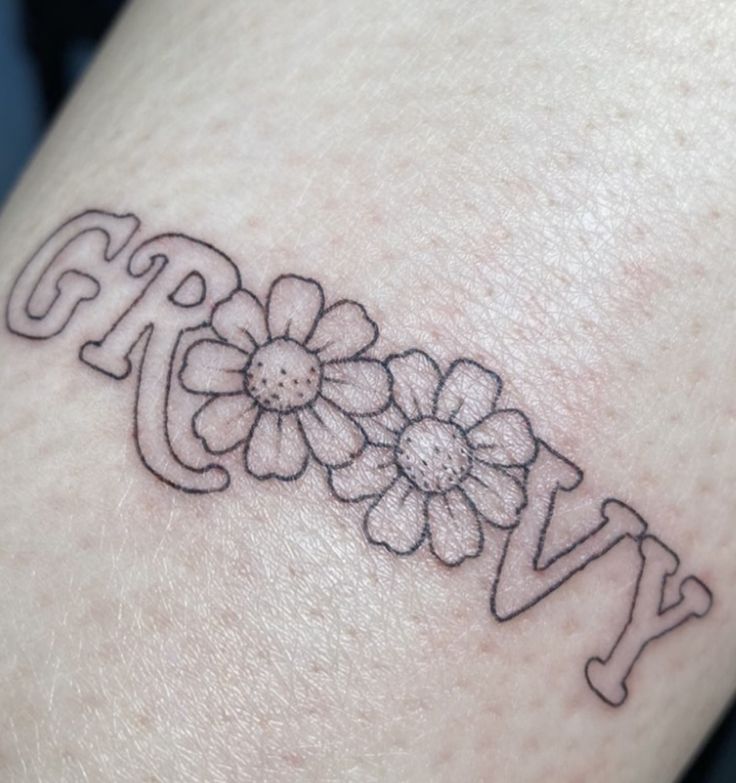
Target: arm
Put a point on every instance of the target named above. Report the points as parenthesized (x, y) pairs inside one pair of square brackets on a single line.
[(493, 531)]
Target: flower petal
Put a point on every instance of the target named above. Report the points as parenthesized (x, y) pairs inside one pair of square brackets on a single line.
[(333, 437), (343, 331), (371, 473), (468, 393), (294, 305), (504, 438), (397, 519), (276, 448), (212, 367), (497, 496), (225, 421), (240, 320), (360, 387), (384, 428), (454, 528), (416, 377)]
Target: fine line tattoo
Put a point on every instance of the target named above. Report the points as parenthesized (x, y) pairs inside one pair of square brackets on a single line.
[(430, 457)]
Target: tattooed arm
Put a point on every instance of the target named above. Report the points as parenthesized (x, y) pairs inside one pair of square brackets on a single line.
[(367, 398)]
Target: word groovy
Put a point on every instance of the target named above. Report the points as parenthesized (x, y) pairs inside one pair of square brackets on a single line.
[(431, 456)]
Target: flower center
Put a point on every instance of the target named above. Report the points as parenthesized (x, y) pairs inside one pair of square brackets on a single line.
[(283, 375), (434, 455)]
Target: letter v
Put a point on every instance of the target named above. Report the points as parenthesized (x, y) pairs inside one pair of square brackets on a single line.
[(522, 579)]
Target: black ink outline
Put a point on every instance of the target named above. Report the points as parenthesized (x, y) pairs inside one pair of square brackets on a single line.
[(370, 495), (404, 470), (385, 544), (249, 334), (157, 263), (317, 318), (519, 509), (359, 360), (273, 475), (478, 523), (326, 311), (354, 455), (109, 254), (405, 355), (316, 393), (530, 431), (212, 399), (148, 267), (183, 285), (662, 610), (186, 363), (391, 405), (537, 559), (426, 495), (301, 410), (448, 375)]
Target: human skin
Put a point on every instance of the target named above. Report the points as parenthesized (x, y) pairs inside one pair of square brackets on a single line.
[(545, 190)]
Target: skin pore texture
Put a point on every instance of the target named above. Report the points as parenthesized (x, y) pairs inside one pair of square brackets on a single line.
[(527, 193)]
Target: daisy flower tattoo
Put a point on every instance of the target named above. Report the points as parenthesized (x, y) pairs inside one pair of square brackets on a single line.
[(442, 462), (286, 380)]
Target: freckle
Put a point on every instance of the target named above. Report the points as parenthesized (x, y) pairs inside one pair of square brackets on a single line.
[(283, 371), (281, 383), (260, 364), (296, 381)]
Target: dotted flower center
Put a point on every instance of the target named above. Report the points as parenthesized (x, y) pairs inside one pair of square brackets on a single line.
[(283, 376), (434, 455)]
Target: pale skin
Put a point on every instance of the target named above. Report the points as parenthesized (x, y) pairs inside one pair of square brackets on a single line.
[(547, 191)]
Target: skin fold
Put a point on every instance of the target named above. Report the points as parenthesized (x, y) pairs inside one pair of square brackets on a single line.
[(543, 189)]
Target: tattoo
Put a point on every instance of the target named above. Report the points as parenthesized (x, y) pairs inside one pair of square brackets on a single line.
[(431, 457)]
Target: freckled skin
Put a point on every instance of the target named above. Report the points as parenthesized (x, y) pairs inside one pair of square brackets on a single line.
[(527, 183)]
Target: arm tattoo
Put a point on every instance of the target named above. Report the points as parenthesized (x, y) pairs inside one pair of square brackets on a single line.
[(429, 456)]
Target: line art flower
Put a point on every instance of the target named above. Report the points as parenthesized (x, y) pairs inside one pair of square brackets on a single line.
[(441, 461), (286, 380)]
